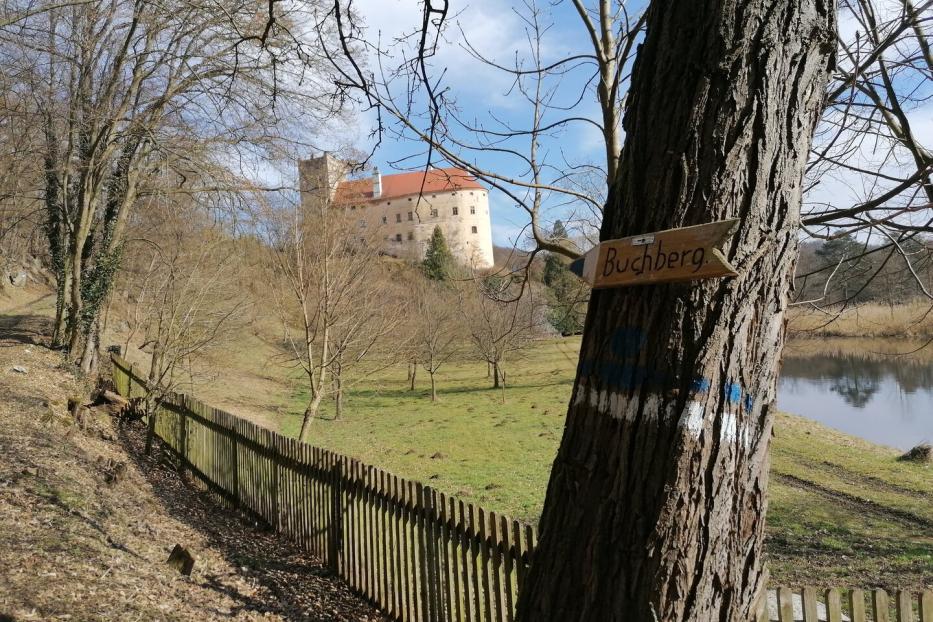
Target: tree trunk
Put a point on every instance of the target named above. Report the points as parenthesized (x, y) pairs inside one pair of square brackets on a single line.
[(656, 503), (495, 375), (338, 396), (61, 306), (155, 363), (91, 349), (310, 413), (414, 370), (433, 387)]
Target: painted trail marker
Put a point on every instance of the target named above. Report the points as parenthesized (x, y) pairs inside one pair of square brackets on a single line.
[(685, 254)]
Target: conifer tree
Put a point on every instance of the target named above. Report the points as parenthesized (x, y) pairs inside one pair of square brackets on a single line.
[(568, 300), (438, 261)]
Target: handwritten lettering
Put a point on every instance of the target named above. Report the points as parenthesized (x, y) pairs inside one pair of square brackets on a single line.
[(652, 259)]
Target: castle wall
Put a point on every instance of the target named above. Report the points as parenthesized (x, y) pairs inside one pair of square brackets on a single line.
[(406, 223)]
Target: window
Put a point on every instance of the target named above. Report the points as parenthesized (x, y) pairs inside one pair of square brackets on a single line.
[(434, 213), (471, 193), (352, 207), (385, 220), (398, 237), (456, 211), (473, 229), (409, 198), (362, 223), (411, 236), (472, 209), (398, 218), (410, 217)]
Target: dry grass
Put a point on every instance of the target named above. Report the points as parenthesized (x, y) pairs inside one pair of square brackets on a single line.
[(912, 351), (914, 319), (87, 525)]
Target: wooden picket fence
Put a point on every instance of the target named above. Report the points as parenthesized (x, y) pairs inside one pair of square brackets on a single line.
[(416, 553)]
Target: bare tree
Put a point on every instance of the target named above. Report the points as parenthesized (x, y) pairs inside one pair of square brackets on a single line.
[(330, 286), (501, 322), (121, 91), (869, 178), (437, 327)]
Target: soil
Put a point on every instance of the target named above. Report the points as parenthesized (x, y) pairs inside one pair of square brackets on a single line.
[(88, 522)]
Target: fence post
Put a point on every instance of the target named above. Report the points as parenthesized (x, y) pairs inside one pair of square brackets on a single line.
[(336, 518), (431, 545)]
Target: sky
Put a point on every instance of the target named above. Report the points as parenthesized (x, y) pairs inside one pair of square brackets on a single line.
[(486, 95)]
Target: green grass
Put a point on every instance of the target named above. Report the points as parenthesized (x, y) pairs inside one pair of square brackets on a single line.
[(830, 519), (470, 442)]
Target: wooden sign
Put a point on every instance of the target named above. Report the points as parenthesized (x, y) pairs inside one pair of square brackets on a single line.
[(685, 254)]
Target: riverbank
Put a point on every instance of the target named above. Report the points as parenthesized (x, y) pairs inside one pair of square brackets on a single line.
[(913, 319)]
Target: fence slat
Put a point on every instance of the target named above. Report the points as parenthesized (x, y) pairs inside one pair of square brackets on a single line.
[(386, 569), (809, 605), (857, 605), (926, 606), (455, 566), (496, 567), (465, 557), (833, 605), (411, 604), (447, 606), (880, 606), (474, 561), (509, 564), (785, 605), (905, 606)]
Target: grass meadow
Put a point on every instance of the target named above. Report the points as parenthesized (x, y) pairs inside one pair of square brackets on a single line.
[(842, 511)]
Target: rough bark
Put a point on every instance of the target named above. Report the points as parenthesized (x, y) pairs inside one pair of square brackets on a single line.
[(433, 386), (656, 504)]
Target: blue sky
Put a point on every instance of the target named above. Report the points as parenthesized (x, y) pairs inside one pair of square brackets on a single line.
[(483, 95)]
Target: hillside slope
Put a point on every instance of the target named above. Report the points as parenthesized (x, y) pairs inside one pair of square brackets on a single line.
[(87, 524)]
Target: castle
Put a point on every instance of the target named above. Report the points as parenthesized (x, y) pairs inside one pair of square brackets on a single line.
[(405, 208)]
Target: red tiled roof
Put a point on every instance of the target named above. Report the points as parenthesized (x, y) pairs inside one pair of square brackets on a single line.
[(403, 184)]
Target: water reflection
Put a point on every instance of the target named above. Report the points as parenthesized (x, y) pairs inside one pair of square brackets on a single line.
[(854, 388)]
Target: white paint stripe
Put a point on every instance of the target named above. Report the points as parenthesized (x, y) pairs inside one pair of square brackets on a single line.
[(729, 428), (692, 419)]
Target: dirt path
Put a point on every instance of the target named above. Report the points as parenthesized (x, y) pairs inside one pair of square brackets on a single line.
[(86, 524)]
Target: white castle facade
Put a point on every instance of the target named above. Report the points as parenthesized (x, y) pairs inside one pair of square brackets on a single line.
[(405, 208)]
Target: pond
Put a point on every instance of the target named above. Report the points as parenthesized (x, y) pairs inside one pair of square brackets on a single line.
[(867, 388)]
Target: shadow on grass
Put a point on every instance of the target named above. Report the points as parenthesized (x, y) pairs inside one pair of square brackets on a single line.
[(292, 582), (25, 329)]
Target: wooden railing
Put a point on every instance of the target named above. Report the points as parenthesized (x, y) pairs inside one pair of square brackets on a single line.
[(416, 553)]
